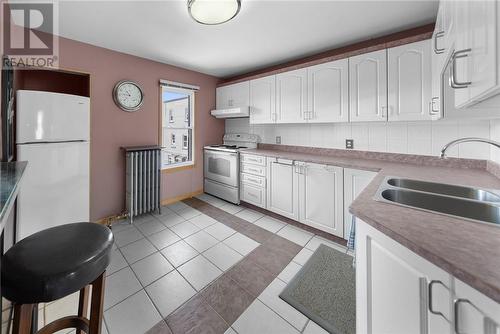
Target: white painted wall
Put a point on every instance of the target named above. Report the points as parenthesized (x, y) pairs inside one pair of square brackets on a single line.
[(424, 138)]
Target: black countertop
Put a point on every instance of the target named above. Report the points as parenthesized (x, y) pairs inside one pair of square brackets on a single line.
[(11, 174)]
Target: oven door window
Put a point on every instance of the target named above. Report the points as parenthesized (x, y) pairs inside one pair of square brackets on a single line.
[(222, 167), (219, 166)]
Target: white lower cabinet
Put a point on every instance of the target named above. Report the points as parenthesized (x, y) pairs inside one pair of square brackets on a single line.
[(253, 194), (355, 181), (253, 179), (474, 312), (282, 184), (321, 197), (398, 291), (393, 286), (317, 195)]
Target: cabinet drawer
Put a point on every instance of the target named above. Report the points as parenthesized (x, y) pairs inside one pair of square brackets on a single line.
[(257, 181), (253, 195), (253, 159), (253, 169)]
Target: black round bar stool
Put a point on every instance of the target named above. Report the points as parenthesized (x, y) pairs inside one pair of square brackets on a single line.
[(55, 263)]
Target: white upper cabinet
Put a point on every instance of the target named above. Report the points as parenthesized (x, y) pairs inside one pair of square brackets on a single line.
[(438, 57), (291, 97), (328, 92), (222, 97), (368, 87), (409, 82), (475, 67), (321, 197), (233, 96), (263, 100)]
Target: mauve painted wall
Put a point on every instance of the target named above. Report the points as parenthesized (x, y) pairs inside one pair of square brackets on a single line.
[(112, 128)]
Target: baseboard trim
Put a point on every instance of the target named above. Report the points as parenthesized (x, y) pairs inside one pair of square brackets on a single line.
[(106, 220), (181, 197), (308, 228)]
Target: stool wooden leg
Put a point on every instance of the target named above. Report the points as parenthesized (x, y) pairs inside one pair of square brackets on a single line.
[(22, 318), (96, 306), (83, 305)]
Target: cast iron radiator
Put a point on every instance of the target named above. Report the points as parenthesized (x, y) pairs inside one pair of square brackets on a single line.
[(143, 179)]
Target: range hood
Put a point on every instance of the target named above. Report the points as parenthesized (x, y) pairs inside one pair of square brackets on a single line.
[(231, 113)]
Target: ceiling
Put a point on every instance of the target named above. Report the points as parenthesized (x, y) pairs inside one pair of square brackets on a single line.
[(264, 33)]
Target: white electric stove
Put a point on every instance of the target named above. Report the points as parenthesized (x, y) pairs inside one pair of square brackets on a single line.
[(222, 165)]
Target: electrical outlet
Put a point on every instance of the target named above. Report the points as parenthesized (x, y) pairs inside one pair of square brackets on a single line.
[(278, 139), (349, 144)]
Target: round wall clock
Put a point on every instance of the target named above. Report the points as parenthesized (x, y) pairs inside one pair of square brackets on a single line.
[(128, 95)]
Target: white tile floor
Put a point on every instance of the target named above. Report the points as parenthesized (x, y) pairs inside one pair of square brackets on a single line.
[(270, 224), (199, 272), (163, 260), (169, 292), (270, 297), (241, 243), (249, 215), (295, 234), (169, 263), (258, 318)]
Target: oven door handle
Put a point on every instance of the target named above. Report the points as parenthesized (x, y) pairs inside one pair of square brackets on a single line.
[(216, 152)]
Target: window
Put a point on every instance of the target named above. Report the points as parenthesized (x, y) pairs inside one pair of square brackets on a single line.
[(177, 126)]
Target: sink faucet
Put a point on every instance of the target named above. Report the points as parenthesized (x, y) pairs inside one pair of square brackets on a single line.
[(466, 140)]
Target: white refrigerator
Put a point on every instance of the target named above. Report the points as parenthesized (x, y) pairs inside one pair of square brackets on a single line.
[(52, 134)]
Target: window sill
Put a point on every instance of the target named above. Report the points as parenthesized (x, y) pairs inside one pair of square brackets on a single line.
[(169, 170)]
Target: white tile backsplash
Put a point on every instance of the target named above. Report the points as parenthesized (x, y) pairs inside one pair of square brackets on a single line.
[(424, 138), (495, 135)]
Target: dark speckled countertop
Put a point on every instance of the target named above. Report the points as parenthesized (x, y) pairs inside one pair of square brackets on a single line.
[(11, 174), (468, 250)]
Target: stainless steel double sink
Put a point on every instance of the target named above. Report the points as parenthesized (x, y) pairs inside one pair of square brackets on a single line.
[(482, 205)]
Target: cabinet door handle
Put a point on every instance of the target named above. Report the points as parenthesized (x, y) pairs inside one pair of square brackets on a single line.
[(488, 322), (456, 309), (254, 181), (453, 81), (257, 171), (282, 163), (436, 49), (429, 289), (252, 195), (299, 169), (383, 112), (307, 115), (433, 111)]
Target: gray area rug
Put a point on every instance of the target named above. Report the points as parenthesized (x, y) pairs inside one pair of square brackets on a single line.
[(325, 291)]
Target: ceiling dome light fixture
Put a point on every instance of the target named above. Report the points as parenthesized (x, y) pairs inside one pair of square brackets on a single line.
[(212, 12)]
